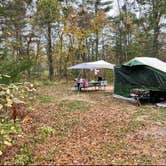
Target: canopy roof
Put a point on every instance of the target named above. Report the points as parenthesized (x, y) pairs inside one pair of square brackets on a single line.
[(147, 61), (93, 65)]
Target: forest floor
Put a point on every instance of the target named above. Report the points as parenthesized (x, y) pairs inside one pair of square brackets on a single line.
[(89, 128)]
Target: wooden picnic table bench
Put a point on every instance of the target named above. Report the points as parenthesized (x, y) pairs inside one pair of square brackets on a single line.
[(95, 84)]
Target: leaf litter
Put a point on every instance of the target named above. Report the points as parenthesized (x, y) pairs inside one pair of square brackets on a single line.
[(106, 131)]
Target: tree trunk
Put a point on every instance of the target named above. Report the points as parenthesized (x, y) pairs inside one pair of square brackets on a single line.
[(60, 60), (37, 56), (103, 51), (156, 21), (155, 42), (97, 32), (97, 43), (49, 53), (28, 55)]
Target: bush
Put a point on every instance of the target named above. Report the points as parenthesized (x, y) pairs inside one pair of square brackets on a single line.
[(9, 95), (14, 69)]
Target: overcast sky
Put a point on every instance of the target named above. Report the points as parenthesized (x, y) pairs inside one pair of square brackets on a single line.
[(114, 10)]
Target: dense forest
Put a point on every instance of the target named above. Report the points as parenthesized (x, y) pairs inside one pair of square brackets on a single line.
[(43, 37)]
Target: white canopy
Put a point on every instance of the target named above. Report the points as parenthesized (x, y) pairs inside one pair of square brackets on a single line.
[(81, 66), (93, 65)]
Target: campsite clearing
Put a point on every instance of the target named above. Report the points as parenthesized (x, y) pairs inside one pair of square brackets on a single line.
[(89, 128)]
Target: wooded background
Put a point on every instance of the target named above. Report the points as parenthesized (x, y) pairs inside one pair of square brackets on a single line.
[(44, 37)]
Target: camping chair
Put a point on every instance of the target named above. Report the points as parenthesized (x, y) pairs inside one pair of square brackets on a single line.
[(140, 94)]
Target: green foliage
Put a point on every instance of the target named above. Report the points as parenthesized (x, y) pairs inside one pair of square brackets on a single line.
[(15, 93), (47, 11), (109, 75), (9, 95), (44, 132), (14, 69), (25, 156), (6, 130), (79, 31)]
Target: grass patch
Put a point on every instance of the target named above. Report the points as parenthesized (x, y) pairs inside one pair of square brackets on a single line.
[(145, 160), (44, 132), (74, 105), (66, 126), (159, 115), (48, 82), (135, 124), (142, 111), (112, 148), (131, 127), (24, 157), (45, 99), (66, 121), (120, 162), (77, 106), (153, 113), (54, 150), (71, 122), (119, 132)]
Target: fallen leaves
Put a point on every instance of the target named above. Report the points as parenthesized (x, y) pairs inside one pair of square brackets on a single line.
[(89, 129), (7, 143), (26, 119), (1, 106)]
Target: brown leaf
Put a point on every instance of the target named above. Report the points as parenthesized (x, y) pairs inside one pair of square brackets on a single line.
[(26, 119)]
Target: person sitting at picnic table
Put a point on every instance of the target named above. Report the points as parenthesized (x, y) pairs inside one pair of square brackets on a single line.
[(100, 78), (84, 83)]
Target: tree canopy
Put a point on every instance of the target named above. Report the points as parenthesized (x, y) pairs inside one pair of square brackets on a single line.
[(50, 35)]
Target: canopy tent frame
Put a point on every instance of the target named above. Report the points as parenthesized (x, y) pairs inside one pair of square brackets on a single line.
[(101, 64)]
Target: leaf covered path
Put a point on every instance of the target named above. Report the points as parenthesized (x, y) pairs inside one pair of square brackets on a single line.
[(89, 128)]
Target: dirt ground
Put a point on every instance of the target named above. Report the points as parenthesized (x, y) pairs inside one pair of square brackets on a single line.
[(89, 128)]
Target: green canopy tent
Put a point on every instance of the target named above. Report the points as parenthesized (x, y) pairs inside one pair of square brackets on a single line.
[(141, 72)]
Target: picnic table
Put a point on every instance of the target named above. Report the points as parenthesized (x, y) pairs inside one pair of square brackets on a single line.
[(95, 84), (98, 84)]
